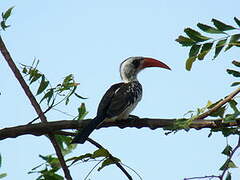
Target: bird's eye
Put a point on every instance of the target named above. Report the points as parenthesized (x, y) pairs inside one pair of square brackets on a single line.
[(136, 63)]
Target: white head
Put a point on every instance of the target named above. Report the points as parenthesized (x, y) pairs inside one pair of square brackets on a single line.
[(130, 67)]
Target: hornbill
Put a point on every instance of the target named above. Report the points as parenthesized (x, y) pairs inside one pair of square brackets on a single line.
[(121, 98)]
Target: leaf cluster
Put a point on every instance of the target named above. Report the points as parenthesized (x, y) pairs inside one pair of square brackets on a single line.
[(48, 170), (106, 158), (229, 113), (228, 117), (184, 123), (56, 95), (200, 45), (228, 164), (235, 73)]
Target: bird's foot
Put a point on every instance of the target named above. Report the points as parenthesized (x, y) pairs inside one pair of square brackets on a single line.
[(130, 118), (133, 117)]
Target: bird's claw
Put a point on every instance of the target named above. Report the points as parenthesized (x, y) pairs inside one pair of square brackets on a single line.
[(132, 117)]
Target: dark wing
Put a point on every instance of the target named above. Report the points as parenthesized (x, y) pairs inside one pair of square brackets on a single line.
[(106, 99), (120, 101), (118, 98), (82, 136)]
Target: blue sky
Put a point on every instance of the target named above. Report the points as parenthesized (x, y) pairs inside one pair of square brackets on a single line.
[(90, 39)]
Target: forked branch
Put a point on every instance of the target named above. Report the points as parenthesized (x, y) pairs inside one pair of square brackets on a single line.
[(34, 103)]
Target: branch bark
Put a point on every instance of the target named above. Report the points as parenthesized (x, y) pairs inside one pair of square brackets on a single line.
[(35, 105), (56, 127)]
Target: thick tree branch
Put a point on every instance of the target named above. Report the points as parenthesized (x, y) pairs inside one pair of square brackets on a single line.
[(55, 127), (35, 105)]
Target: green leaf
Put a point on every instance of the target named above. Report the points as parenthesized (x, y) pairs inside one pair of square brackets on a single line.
[(32, 73), (231, 164), (214, 104), (194, 35), (100, 153), (227, 150), (237, 21), (68, 79), (108, 162), (226, 131), (233, 41), (209, 29), (3, 175), (48, 175), (233, 72), (4, 26), (65, 144), (7, 14), (222, 26), (236, 63), (52, 161), (219, 46), (205, 49), (82, 112), (228, 164), (24, 71), (48, 96), (35, 77), (46, 158), (194, 50), (229, 177), (219, 112), (67, 84), (70, 94), (43, 85), (233, 105), (230, 118), (185, 41), (80, 97), (84, 157), (189, 62), (235, 84)]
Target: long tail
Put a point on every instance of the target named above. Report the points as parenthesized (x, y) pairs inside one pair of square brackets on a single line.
[(86, 131)]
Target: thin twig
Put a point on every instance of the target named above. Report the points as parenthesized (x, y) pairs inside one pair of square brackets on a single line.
[(93, 169), (48, 109), (203, 177), (230, 157), (35, 105), (220, 177), (220, 104), (112, 158), (132, 170)]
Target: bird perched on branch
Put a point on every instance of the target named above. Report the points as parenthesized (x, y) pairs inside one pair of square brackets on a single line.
[(121, 98)]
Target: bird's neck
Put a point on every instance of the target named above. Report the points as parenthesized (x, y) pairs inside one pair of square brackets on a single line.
[(128, 77)]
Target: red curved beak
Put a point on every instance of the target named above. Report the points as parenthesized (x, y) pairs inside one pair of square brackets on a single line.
[(150, 62)]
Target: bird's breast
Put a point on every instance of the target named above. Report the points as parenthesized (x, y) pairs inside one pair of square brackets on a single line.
[(134, 92)]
